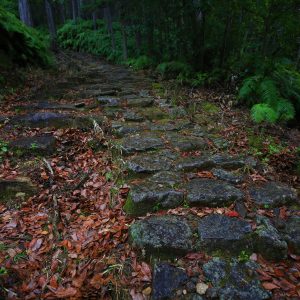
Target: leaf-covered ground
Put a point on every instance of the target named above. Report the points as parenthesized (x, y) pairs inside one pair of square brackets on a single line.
[(70, 240)]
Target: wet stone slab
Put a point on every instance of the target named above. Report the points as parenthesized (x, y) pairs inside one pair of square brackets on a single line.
[(273, 194), (149, 196), (231, 177), (140, 102), (124, 128), (167, 279), (110, 101), (169, 235), (168, 178), (141, 143), (234, 280), (42, 144), (212, 193), (133, 116), (51, 119), (291, 233), (15, 191), (151, 163), (219, 232), (268, 241), (169, 125), (186, 143), (207, 162), (153, 113)]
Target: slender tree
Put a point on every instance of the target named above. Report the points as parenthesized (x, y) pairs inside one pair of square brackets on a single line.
[(51, 23), (25, 13)]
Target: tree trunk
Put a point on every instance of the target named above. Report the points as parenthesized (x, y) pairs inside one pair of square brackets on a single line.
[(51, 23), (62, 13), (124, 41), (107, 13), (298, 56), (224, 43), (138, 41), (94, 16), (74, 10), (25, 14)]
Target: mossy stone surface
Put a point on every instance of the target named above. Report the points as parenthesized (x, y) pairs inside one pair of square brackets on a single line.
[(162, 234), (234, 280), (15, 191), (149, 196), (212, 193), (219, 232), (273, 194)]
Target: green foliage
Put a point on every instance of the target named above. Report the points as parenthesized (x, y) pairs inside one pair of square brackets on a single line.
[(81, 36), (21, 44), (263, 112), (275, 97), (200, 79), (244, 256), (173, 69), (140, 63), (3, 149)]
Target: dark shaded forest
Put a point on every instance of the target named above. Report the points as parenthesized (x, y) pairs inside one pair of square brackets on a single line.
[(251, 47), (150, 150)]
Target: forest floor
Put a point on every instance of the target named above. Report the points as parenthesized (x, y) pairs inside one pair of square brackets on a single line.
[(115, 185)]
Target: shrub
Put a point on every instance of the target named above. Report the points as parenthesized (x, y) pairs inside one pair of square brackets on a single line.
[(172, 69), (275, 96), (141, 63), (21, 45)]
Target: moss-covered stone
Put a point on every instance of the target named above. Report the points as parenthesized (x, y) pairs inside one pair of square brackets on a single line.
[(153, 113), (210, 107), (166, 234), (150, 196), (185, 142), (223, 233), (212, 193), (273, 194), (234, 280), (37, 145), (141, 143), (15, 191), (267, 240), (152, 162)]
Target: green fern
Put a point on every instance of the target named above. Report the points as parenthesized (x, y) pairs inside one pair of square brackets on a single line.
[(268, 91), (263, 113), (249, 87), (285, 110)]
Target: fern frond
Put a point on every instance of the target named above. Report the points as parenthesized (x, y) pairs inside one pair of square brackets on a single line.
[(268, 91), (285, 110), (263, 112), (249, 87)]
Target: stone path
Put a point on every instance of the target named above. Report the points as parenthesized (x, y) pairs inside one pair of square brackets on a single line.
[(153, 137)]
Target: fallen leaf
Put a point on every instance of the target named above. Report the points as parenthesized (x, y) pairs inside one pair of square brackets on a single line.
[(269, 286)]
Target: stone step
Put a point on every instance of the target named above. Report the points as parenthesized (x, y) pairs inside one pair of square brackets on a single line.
[(167, 189), (207, 162), (273, 194), (14, 191), (170, 236), (212, 193), (123, 102), (222, 279), (53, 120), (36, 145)]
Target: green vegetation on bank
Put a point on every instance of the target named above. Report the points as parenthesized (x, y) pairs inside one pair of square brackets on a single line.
[(249, 47), (20, 44)]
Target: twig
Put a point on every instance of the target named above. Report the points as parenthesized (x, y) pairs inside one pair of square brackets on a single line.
[(56, 217), (56, 214), (48, 166)]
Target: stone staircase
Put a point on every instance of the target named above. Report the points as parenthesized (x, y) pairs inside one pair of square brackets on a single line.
[(153, 137)]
